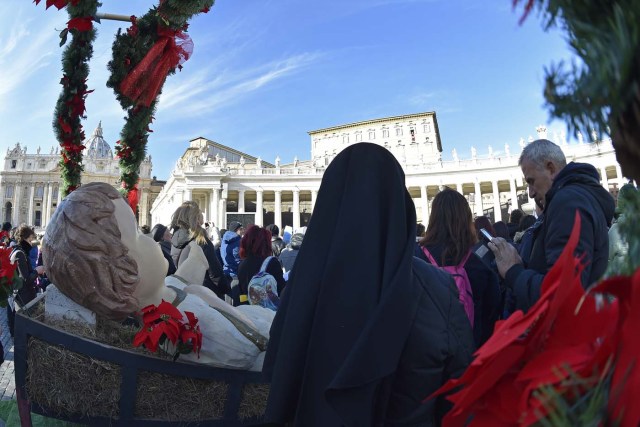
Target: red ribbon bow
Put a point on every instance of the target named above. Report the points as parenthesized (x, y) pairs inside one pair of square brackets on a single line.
[(171, 50)]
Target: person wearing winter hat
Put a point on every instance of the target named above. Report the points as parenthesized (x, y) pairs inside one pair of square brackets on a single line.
[(230, 249), (288, 255), (162, 235)]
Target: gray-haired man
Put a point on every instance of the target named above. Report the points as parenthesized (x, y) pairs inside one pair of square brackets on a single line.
[(561, 189)]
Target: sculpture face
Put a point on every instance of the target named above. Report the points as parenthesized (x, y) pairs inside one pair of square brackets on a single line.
[(152, 266)]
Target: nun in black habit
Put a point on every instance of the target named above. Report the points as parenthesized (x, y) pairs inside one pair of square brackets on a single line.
[(365, 331)]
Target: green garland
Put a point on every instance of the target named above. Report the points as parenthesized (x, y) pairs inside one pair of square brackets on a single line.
[(603, 92), (129, 48), (70, 107)]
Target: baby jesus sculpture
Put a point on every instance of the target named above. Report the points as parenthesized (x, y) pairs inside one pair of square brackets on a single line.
[(96, 256)]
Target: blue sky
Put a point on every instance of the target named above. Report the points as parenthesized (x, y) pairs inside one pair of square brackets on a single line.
[(264, 72)]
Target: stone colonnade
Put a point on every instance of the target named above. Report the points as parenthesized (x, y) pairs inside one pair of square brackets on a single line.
[(32, 203), (293, 206), (280, 206)]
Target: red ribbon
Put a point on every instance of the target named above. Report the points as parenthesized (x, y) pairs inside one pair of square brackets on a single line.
[(171, 49), (133, 197)]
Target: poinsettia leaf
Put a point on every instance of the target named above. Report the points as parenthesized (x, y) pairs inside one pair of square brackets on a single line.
[(625, 384), (170, 310), (82, 23)]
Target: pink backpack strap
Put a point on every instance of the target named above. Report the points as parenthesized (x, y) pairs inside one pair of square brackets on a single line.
[(465, 259), (428, 254)]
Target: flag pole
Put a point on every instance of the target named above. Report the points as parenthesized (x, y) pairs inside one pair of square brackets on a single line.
[(112, 17)]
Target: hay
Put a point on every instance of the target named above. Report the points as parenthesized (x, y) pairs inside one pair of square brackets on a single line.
[(173, 398), (254, 401), (70, 383)]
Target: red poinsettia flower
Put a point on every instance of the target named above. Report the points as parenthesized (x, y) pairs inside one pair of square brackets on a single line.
[(149, 337), (166, 317), (57, 3), (83, 23), (624, 343), (64, 125), (536, 349), (190, 332), (166, 322)]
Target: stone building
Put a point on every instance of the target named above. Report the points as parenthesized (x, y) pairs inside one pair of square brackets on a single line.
[(30, 183), (230, 185)]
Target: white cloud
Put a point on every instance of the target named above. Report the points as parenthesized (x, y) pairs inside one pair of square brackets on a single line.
[(23, 53), (200, 93)]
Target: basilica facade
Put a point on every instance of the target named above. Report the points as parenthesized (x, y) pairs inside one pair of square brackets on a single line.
[(231, 185), (30, 183)]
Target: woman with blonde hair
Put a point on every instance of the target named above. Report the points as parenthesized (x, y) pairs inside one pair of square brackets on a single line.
[(186, 223)]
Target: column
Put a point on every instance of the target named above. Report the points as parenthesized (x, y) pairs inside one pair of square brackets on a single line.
[(314, 196), (17, 198), (44, 204), (424, 204), (49, 203), (497, 212), (214, 200), (459, 188), (32, 194), (206, 207), (619, 176), (240, 201), (296, 209), (222, 209), (277, 210), (259, 214), (478, 198), (143, 208), (187, 195), (513, 190), (605, 181), (59, 195)]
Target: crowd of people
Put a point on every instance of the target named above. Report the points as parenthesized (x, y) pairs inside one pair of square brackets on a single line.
[(26, 254), (375, 312), (235, 254)]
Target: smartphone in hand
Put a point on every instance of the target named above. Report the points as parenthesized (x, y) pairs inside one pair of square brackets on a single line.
[(486, 236)]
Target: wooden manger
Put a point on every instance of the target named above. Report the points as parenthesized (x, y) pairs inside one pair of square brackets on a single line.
[(67, 376)]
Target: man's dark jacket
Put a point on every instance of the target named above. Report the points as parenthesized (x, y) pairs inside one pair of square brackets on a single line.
[(277, 246), (576, 188)]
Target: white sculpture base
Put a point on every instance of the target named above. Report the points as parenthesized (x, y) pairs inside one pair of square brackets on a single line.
[(58, 307)]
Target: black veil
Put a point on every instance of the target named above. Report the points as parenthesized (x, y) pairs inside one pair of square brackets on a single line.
[(348, 308)]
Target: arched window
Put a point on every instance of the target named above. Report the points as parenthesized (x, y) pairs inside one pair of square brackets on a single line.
[(8, 211)]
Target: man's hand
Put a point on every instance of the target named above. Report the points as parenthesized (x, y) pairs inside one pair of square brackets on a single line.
[(506, 255), (40, 270)]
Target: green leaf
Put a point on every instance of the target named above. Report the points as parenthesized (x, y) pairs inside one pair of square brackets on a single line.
[(63, 36)]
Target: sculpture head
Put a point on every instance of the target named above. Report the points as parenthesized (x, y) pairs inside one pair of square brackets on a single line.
[(95, 254)]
